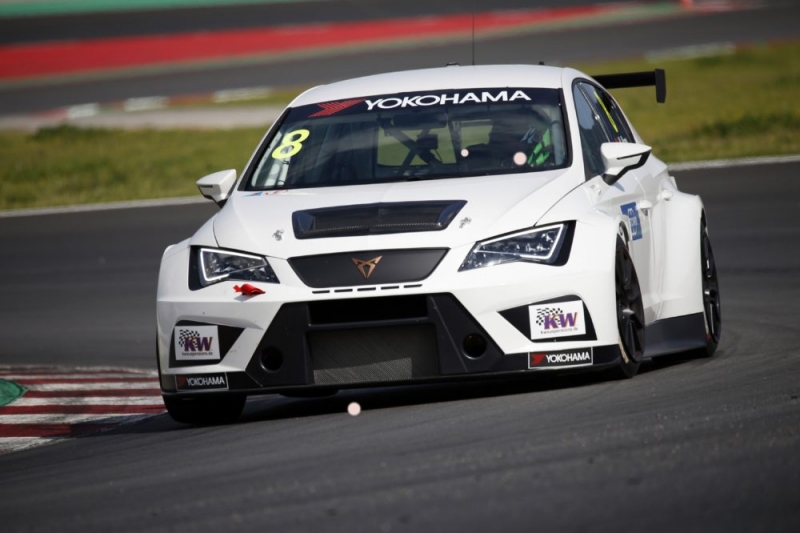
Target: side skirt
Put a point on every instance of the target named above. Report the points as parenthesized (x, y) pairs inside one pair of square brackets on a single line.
[(672, 335)]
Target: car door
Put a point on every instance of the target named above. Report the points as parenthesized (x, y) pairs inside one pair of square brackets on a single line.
[(653, 178), (600, 121)]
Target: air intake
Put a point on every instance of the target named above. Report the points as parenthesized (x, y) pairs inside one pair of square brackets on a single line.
[(348, 221), (398, 353)]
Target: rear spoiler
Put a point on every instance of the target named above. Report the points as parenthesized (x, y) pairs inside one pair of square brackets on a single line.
[(637, 79)]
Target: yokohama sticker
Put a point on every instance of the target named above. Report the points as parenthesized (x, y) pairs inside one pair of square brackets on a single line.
[(419, 100), (425, 100), (565, 359), (197, 343), (563, 319), (202, 382)]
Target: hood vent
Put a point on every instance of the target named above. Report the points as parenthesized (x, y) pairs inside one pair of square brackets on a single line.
[(367, 219)]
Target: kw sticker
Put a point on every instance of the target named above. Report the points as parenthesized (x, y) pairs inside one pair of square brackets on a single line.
[(563, 319), (193, 343)]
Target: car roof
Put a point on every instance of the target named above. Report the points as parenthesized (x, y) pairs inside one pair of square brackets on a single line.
[(434, 79)]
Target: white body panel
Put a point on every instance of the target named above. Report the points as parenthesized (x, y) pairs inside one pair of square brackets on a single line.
[(502, 205), (665, 250)]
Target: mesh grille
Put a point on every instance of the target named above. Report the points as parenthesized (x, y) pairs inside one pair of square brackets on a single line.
[(385, 266), (373, 354)]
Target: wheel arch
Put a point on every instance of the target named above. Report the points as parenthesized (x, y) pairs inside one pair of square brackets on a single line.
[(624, 232)]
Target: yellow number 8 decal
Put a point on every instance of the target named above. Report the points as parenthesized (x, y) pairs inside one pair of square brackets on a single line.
[(293, 141)]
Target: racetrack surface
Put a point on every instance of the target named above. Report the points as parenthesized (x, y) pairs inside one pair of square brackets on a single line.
[(774, 21), (224, 17), (38, 62), (688, 445)]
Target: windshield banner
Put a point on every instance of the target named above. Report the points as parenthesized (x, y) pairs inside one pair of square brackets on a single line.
[(414, 100)]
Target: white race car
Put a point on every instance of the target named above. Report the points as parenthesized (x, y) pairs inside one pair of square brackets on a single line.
[(458, 222)]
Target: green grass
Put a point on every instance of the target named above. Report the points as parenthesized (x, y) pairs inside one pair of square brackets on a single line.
[(738, 105), (726, 106), (65, 165)]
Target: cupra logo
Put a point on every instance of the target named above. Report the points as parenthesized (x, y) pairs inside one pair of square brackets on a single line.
[(367, 267)]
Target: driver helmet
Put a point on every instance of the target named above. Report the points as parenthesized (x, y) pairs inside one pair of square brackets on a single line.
[(521, 137)]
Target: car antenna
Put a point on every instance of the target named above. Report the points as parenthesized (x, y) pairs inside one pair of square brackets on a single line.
[(473, 32)]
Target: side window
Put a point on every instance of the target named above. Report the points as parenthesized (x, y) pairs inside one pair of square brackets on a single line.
[(592, 134), (609, 113)]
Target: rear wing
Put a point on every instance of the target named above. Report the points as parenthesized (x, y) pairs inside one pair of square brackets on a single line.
[(637, 79)]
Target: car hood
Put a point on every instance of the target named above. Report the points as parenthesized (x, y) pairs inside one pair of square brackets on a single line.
[(262, 222)]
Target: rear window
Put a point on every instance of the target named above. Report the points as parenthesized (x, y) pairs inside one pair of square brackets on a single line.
[(410, 136)]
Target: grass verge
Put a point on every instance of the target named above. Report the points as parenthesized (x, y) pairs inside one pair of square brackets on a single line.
[(66, 165), (740, 104)]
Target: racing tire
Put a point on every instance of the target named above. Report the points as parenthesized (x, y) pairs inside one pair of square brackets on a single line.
[(205, 410), (630, 314), (712, 308)]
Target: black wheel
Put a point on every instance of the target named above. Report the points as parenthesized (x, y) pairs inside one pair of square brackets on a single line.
[(205, 410), (712, 308), (630, 313)]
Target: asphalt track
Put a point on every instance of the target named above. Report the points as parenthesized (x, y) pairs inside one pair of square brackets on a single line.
[(688, 445), (776, 21), (210, 18), (41, 62)]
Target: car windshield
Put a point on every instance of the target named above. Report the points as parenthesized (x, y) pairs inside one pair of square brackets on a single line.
[(412, 136)]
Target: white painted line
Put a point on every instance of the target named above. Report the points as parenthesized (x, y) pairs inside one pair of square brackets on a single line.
[(55, 418), (55, 369), (76, 377), (83, 110), (147, 103), (91, 386), (691, 52), (238, 95), (728, 163), (134, 204), (152, 401), (15, 444)]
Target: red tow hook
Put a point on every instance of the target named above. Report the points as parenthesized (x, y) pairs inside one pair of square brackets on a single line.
[(248, 290)]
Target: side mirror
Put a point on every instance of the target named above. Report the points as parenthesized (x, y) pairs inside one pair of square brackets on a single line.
[(217, 186), (619, 158)]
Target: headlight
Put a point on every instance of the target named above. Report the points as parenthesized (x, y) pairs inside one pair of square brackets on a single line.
[(219, 265), (540, 245)]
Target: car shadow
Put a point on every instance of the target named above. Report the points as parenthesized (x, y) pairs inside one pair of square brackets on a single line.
[(272, 408), (276, 407)]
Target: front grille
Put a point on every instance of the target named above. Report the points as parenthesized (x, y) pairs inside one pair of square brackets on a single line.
[(386, 267), (373, 354)]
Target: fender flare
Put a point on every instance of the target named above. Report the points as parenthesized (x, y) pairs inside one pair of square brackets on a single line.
[(681, 281)]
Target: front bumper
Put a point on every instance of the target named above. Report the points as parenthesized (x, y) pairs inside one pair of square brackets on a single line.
[(449, 325), (368, 342)]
